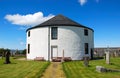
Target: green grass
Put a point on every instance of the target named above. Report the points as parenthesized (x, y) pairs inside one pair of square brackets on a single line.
[(19, 56), (22, 69), (76, 69)]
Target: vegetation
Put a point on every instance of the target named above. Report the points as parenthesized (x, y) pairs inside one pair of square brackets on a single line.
[(18, 52), (76, 69), (22, 69), (3, 51), (24, 51), (73, 69)]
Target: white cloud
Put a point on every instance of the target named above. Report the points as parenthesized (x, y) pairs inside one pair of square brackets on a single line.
[(82, 2), (29, 19)]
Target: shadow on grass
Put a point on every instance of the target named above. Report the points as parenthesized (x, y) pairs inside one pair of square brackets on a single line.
[(90, 66), (98, 58), (13, 63)]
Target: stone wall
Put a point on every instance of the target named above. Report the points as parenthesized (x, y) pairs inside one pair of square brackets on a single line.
[(100, 52)]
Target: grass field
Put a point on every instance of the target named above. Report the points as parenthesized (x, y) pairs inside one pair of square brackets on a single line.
[(75, 69), (22, 69)]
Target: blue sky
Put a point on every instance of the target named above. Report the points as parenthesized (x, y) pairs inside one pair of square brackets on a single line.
[(18, 15)]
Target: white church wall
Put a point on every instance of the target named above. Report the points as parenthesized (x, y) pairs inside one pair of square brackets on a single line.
[(38, 41), (70, 39)]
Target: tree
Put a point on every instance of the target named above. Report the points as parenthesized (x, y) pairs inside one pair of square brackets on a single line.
[(24, 51), (17, 52), (4, 52), (1, 51)]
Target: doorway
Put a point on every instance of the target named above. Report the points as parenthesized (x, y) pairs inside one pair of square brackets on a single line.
[(54, 52)]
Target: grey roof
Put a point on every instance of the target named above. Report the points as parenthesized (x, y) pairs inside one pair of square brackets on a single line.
[(59, 20)]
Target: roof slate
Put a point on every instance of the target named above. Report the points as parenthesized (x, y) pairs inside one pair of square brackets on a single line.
[(59, 20)]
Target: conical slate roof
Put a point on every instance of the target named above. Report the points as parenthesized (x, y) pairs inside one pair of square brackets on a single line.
[(59, 20)]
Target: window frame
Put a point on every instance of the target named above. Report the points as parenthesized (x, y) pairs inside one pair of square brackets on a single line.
[(54, 33), (86, 48), (86, 32), (28, 33), (28, 50)]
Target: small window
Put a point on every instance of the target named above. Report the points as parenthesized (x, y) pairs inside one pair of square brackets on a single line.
[(28, 48), (28, 33), (86, 48), (54, 32), (85, 32)]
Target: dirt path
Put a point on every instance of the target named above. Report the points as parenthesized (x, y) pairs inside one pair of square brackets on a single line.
[(54, 71), (21, 59)]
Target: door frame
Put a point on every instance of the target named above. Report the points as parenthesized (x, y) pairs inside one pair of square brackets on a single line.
[(53, 46)]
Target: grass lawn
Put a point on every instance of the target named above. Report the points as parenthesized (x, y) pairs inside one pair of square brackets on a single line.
[(75, 69), (22, 69)]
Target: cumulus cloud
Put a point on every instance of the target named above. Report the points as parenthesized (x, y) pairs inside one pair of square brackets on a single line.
[(29, 19), (82, 2)]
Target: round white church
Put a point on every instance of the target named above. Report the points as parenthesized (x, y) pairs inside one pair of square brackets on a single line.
[(59, 37)]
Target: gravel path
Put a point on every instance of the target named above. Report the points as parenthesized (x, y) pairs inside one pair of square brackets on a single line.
[(54, 71), (21, 59)]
